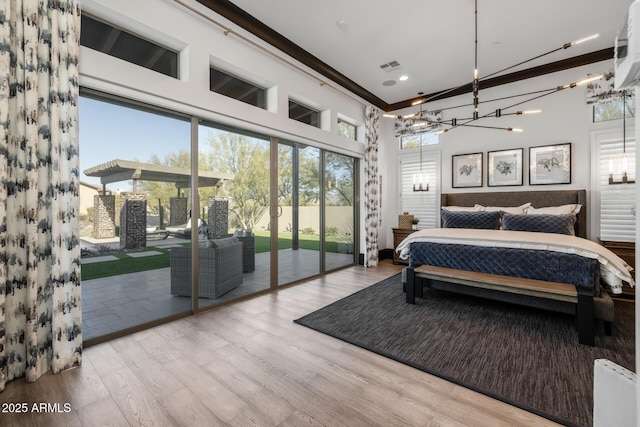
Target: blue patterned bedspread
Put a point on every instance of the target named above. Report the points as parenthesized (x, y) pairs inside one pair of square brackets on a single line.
[(525, 263)]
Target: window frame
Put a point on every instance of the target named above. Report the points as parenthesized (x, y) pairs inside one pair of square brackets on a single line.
[(425, 143), (432, 160), (262, 89), (624, 195), (316, 112), (136, 35), (350, 125)]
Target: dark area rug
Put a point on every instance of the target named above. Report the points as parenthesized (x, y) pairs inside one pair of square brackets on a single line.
[(523, 356)]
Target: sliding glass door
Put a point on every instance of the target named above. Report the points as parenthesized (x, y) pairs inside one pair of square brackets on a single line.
[(291, 205), (134, 207), (340, 219), (298, 212), (237, 207)]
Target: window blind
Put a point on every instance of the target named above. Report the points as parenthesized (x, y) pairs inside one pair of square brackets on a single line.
[(420, 204), (617, 201)]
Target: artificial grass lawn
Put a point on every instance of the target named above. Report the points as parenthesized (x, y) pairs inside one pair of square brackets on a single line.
[(126, 264), (307, 241)]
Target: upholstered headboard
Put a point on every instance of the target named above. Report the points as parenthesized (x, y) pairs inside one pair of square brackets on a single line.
[(538, 199)]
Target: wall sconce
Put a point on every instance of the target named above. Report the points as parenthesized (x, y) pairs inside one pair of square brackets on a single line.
[(625, 179)]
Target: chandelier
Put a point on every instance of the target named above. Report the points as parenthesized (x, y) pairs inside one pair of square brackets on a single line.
[(418, 119)]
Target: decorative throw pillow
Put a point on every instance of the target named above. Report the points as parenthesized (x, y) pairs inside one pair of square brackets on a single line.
[(557, 224), (475, 208), (517, 210), (481, 220), (555, 210)]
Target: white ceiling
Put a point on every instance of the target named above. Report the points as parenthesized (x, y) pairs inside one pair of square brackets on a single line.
[(434, 40)]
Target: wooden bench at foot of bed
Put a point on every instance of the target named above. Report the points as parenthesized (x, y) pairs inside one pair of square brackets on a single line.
[(581, 298)]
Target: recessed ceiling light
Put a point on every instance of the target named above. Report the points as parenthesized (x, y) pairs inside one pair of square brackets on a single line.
[(388, 83), (403, 78), (343, 24)]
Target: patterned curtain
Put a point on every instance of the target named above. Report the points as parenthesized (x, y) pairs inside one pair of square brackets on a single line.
[(371, 189), (602, 91), (40, 310)]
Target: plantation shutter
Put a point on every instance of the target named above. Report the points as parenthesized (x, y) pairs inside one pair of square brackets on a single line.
[(617, 201), (420, 204)]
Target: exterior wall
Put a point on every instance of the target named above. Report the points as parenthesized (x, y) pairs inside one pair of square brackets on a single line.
[(87, 193), (337, 216)]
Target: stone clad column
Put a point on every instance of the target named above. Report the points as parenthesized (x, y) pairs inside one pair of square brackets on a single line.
[(178, 211), (218, 221), (104, 216), (133, 221)]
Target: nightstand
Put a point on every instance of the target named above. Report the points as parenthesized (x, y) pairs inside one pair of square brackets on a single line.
[(399, 234), (626, 251)]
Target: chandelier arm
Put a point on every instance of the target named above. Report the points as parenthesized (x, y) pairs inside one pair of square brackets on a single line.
[(498, 99), (551, 91), (521, 63), (466, 124), (485, 127)]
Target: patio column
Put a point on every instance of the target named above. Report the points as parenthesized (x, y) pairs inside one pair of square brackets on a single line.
[(178, 210), (218, 221), (104, 216), (133, 221)]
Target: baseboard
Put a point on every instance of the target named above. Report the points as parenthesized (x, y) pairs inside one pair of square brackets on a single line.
[(382, 254), (386, 254)]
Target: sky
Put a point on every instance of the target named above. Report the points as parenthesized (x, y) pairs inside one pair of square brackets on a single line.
[(109, 132)]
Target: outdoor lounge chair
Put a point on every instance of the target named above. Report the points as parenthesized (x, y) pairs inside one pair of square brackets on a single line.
[(220, 267)]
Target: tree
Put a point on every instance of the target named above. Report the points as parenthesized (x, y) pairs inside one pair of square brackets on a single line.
[(248, 160), (164, 191), (340, 179)]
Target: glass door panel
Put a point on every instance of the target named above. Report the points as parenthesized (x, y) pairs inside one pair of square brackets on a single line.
[(135, 175), (235, 206), (299, 246), (339, 210)]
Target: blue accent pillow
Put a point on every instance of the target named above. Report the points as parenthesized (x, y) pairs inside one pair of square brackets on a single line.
[(480, 219), (557, 224)]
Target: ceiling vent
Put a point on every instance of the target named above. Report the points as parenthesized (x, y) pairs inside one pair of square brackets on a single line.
[(390, 66)]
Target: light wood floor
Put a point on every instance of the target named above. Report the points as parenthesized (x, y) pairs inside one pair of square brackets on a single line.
[(248, 364)]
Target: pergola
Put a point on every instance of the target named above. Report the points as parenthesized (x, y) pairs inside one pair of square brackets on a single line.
[(123, 170), (135, 234)]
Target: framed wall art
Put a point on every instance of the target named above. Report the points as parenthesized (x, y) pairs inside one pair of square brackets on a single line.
[(550, 164), (505, 167), (466, 170)]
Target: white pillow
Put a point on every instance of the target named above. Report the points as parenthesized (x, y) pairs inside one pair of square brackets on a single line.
[(475, 208), (555, 210), (517, 210)]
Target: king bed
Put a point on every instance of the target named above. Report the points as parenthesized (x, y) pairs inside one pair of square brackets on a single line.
[(538, 238)]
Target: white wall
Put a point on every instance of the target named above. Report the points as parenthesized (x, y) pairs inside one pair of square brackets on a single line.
[(565, 118), (202, 43)]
